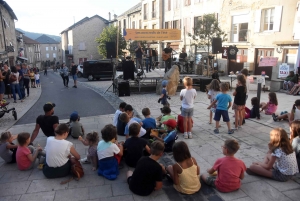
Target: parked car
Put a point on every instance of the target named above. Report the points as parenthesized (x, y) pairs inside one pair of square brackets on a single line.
[(96, 69), (80, 70)]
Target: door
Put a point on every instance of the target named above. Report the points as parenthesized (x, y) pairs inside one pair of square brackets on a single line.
[(263, 53)]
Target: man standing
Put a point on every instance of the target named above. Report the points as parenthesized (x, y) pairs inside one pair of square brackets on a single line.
[(21, 81), (26, 80), (139, 56), (167, 56), (47, 122), (183, 58), (149, 58), (74, 72), (45, 71)]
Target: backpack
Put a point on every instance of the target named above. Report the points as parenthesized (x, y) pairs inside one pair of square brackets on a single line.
[(76, 170)]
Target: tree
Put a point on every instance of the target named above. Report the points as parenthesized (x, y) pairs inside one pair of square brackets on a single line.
[(109, 34), (205, 30)]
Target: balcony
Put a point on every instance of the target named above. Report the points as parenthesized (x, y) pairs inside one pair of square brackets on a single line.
[(153, 14), (145, 16), (239, 36)]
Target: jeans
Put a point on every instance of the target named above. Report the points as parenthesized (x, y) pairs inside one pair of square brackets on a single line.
[(66, 80), (167, 65), (139, 62), (26, 85), (15, 88), (21, 88), (148, 64)]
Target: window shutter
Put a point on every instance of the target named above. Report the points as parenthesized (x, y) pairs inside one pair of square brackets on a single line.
[(277, 18), (257, 21), (297, 23)]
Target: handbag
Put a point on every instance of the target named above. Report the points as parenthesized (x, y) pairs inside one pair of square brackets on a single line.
[(76, 170), (12, 78)]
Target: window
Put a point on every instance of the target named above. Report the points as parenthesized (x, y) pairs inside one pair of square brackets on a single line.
[(153, 26), (124, 24), (145, 12), (120, 24), (187, 2), (54, 48), (239, 28), (176, 24), (47, 55), (1, 42), (166, 25), (140, 24), (51, 48), (82, 46), (54, 55), (176, 4), (133, 25), (169, 5), (46, 48), (145, 27), (153, 9), (268, 19)]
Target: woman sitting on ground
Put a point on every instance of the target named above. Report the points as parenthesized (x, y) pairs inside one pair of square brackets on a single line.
[(290, 81)]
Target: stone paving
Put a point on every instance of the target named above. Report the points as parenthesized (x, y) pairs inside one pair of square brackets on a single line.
[(205, 147)]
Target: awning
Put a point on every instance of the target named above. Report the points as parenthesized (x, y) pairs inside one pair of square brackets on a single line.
[(286, 43), (22, 58)]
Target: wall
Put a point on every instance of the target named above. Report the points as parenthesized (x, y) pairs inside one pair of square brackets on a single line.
[(50, 52)]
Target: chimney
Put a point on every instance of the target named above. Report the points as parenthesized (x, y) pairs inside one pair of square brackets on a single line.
[(109, 17), (115, 16)]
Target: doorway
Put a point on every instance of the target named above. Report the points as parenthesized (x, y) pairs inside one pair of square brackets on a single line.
[(259, 53)]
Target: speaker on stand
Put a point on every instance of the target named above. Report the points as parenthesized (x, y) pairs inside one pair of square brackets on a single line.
[(216, 44), (124, 88), (111, 50)]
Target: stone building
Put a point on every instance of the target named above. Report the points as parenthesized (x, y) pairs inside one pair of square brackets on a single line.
[(8, 40), (78, 41), (32, 52), (49, 49)]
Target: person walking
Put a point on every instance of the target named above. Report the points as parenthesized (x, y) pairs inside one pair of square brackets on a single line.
[(64, 73), (74, 72)]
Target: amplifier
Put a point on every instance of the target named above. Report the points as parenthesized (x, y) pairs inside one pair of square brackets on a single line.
[(124, 89)]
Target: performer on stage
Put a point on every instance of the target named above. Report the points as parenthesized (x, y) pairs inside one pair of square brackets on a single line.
[(148, 51), (167, 56), (183, 58), (139, 56)]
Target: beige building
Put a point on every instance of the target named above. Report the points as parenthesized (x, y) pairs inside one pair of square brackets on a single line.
[(78, 41), (32, 52), (8, 40)]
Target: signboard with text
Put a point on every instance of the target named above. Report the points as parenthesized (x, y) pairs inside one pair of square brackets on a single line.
[(152, 34), (268, 61), (284, 70)]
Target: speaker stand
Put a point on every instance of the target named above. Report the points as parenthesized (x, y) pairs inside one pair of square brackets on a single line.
[(113, 84)]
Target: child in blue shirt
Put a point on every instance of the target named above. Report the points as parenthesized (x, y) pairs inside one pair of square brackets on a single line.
[(224, 102), (148, 122), (164, 94)]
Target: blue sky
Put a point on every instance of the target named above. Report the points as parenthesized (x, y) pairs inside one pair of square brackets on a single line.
[(53, 16)]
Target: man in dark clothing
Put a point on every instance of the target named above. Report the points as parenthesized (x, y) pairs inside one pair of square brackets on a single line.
[(47, 122), (149, 58), (74, 72), (168, 51), (21, 81), (139, 56), (183, 58)]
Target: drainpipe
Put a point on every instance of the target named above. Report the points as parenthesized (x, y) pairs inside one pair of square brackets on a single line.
[(3, 35)]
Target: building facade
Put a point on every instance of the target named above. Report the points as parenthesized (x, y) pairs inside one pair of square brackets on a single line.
[(32, 52), (8, 41), (78, 41)]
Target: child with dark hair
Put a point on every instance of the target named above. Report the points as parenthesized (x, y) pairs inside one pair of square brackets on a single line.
[(292, 116), (129, 110), (26, 155), (164, 94), (107, 148), (295, 139), (76, 128), (166, 111), (118, 112), (185, 172), (254, 113), (91, 140), (148, 122), (134, 146), (213, 91), (239, 101), (271, 106), (8, 150), (124, 117), (230, 170), (147, 176)]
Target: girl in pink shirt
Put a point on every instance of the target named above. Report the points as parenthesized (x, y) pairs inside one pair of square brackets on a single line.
[(271, 106)]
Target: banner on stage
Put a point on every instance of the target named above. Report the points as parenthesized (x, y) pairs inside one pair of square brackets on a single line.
[(284, 70), (268, 61), (153, 34)]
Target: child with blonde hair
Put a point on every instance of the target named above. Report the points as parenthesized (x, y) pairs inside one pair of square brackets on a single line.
[(7, 148), (295, 139), (213, 91)]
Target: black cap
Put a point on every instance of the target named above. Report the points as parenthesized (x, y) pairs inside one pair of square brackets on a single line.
[(49, 106)]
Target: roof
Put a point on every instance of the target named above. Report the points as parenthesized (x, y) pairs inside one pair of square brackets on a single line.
[(27, 40), (9, 10), (84, 20), (44, 39), (134, 9)]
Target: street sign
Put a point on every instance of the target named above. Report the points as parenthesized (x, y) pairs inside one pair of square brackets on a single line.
[(284, 70), (261, 80), (268, 61), (153, 34)]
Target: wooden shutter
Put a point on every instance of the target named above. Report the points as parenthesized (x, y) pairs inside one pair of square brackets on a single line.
[(277, 18), (257, 21), (297, 23)]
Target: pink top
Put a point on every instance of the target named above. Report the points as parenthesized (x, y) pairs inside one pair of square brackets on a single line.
[(271, 108), (21, 157), (229, 172)]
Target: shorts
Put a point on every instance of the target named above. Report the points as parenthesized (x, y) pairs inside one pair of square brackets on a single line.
[(32, 80), (74, 77), (210, 180), (37, 81), (238, 107), (278, 176), (129, 179), (2, 87), (223, 113), (187, 112)]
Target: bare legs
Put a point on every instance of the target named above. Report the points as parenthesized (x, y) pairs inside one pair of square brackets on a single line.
[(258, 169)]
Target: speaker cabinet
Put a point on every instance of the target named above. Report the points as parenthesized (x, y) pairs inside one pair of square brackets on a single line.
[(204, 82), (216, 45), (111, 50), (124, 89)]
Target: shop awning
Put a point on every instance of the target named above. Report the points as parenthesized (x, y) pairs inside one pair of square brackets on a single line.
[(296, 43)]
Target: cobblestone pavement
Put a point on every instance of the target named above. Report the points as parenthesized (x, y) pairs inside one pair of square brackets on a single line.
[(205, 147)]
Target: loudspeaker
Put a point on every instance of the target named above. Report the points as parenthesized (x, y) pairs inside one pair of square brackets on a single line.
[(124, 89), (111, 50), (204, 82), (216, 44)]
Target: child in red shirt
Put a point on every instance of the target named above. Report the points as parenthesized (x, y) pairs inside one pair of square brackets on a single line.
[(230, 170)]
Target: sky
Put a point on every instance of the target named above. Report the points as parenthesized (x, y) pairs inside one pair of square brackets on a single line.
[(54, 16)]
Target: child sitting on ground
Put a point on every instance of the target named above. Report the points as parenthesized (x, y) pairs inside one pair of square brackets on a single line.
[(164, 94), (76, 128), (107, 148), (229, 169), (295, 140), (280, 162), (147, 176), (169, 137), (126, 119), (118, 112), (148, 122), (213, 91), (129, 110), (294, 115), (26, 155), (185, 172), (91, 140), (166, 111), (254, 113), (271, 106), (223, 101), (134, 146), (7, 148)]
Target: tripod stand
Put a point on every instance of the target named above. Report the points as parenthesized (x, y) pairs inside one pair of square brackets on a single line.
[(113, 84)]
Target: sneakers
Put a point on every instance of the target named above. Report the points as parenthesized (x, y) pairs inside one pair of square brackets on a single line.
[(190, 135), (230, 131), (216, 131), (274, 117), (185, 135), (84, 161), (74, 86)]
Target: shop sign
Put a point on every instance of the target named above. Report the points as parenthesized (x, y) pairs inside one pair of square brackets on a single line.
[(284, 70)]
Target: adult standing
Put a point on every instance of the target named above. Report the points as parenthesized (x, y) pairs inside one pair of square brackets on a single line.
[(64, 73), (59, 153), (74, 72), (6, 73), (149, 58), (46, 70), (183, 58), (21, 80), (2, 85), (26, 78), (139, 56), (14, 83), (47, 122), (167, 54)]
